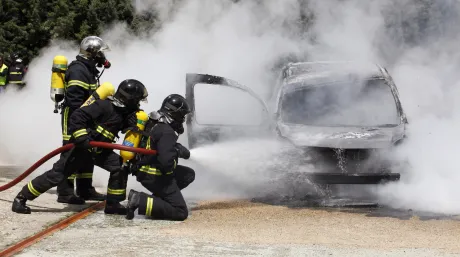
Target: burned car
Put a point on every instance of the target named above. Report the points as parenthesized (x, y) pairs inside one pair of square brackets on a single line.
[(344, 115)]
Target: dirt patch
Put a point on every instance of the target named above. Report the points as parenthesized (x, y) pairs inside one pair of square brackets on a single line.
[(243, 221)]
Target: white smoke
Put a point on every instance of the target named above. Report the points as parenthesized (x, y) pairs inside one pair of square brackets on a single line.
[(242, 41), (233, 40)]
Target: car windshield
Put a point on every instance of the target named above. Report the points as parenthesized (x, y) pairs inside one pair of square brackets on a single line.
[(345, 103)]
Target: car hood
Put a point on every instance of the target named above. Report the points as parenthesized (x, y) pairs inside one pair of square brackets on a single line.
[(340, 137)]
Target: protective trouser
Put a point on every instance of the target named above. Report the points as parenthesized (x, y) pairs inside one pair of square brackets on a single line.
[(84, 175), (75, 159), (166, 201)]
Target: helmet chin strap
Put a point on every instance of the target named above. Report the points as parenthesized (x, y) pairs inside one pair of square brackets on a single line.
[(116, 102), (165, 118), (100, 74)]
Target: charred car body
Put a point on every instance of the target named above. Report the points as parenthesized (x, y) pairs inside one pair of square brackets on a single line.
[(345, 116)]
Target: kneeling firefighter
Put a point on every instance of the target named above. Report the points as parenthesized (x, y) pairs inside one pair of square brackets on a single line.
[(99, 121), (160, 174)]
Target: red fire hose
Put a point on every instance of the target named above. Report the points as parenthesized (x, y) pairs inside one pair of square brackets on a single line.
[(68, 147)]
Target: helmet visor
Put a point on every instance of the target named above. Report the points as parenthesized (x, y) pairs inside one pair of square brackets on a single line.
[(144, 96), (104, 47)]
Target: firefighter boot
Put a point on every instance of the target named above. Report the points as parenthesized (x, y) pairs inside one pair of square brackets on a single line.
[(19, 205), (70, 199), (91, 195), (133, 204), (114, 208)]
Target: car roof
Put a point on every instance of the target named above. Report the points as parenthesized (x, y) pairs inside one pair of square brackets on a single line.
[(311, 67), (322, 72)]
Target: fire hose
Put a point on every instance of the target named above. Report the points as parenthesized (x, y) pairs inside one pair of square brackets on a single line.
[(68, 147)]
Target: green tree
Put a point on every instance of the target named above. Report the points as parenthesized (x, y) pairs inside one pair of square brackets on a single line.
[(28, 26)]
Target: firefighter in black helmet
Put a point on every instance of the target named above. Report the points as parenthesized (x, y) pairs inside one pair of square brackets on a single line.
[(81, 80), (160, 174), (99, 121)]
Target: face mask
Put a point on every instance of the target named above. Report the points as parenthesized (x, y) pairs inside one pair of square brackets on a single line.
[(102, 61)]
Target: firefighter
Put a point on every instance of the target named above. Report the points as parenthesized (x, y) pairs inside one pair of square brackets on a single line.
[(3, 74), (16, 71), (81, 79), (99, 121), (160, 174)]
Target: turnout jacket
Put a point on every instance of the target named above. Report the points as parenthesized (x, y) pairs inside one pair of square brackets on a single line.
[(161, 137), (101, 121), (80, 82), (16, 73)]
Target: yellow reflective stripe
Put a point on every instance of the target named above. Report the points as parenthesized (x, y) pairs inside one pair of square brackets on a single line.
[(66, 117), (81, 84), (15, 82), (15, 72), (152, 171), (116, 191), (175, 163), (71, 177), (78, 83), (84, 175), (32, 189), (66, 137), (149, 207), (79, 133), (148, 144), (105, 133), (95, 150)]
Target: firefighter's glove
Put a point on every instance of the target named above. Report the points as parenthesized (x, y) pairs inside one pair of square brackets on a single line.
[(133, 129), (132, 120), (130, 168), (131, 123), (82, 142), (182, 151)]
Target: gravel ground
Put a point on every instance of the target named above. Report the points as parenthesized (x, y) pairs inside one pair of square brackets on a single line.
[(245, 222), (240, 228)]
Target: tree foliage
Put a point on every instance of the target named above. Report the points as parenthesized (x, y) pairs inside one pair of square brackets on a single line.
[(28, 26)]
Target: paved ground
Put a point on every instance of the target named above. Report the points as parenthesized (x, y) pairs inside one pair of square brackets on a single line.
[(233, 228), (46, 212)]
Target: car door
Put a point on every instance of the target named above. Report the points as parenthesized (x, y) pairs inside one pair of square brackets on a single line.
[(228, 103)]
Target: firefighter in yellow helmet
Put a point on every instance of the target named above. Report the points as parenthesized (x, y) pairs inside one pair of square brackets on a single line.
[(3, 74)]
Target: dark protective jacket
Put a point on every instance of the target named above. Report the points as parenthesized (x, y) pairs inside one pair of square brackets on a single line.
[(80, 82), (16, 73), (100, 120), (161, 137)]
